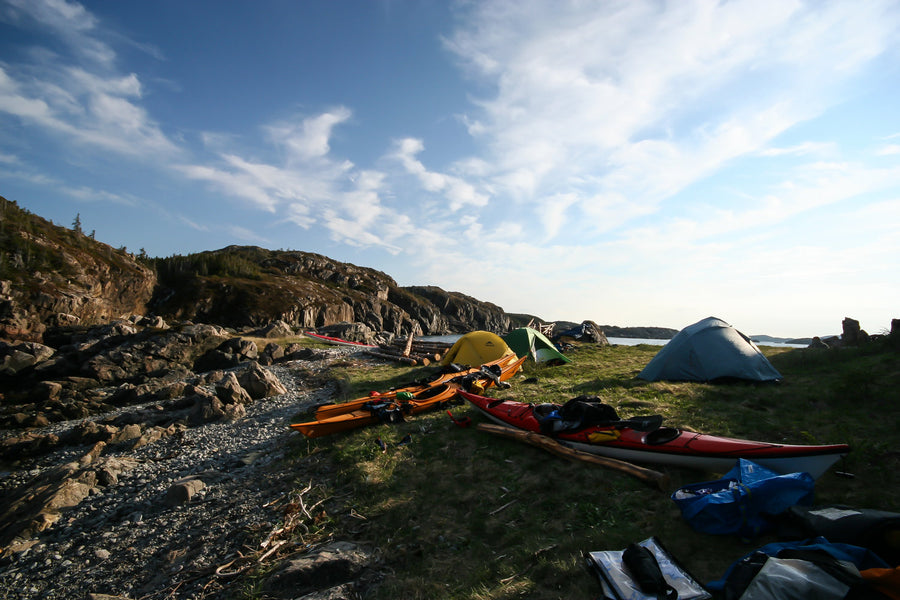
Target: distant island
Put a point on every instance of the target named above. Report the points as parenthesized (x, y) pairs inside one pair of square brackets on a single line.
[(763, 339)]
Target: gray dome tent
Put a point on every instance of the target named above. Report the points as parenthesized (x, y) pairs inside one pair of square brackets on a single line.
[(708, 350)]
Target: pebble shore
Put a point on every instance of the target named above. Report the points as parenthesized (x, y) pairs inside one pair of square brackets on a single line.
[(129, 541)]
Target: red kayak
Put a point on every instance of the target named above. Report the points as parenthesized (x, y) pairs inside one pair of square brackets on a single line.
[(665, 445)]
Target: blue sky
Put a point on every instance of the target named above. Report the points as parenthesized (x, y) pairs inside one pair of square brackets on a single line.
[(629, 162)]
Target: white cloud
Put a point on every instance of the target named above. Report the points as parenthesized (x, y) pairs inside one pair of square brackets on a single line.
[(93, 195), (624, 105), (308, 186), (457, 191), (69, 22), (802, 149), (309, 138), (95, 108)]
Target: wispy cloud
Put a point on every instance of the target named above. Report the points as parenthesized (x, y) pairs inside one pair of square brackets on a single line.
[(79, 96), (624, 105), (307, 185), (246, 235), (69, 22), (804, 149), (458, 192)]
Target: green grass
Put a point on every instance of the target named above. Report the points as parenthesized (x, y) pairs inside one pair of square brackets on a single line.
[(461, 514)]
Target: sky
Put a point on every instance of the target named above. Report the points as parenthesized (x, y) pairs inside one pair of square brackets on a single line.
[(631, 162)]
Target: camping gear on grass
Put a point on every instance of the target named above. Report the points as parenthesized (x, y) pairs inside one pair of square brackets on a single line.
[(665, 445), (526, 341), (447, 374), (476, 348), (743, 501), (645, 570), (825, 562), (709, 350), (390, 408)]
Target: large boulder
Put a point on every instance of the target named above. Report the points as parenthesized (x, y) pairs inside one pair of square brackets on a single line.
[(260, 382), (229, 390), (227, 355), (352, 332), (18, 357), (851, 334)]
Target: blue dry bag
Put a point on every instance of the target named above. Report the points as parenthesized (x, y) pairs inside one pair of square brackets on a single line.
[(740, 501)]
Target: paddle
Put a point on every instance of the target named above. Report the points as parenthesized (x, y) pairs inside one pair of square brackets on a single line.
[(654, 478)]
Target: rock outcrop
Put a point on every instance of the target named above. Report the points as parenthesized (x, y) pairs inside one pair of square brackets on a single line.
[(244, 286), (51, 276)]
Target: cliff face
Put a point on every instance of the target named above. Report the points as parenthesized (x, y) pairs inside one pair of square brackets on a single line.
[(50, 275), (249, 286)]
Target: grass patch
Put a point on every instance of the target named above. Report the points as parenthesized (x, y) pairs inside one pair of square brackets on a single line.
[(460, 514)]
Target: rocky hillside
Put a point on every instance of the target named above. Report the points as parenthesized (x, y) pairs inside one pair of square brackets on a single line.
[(245, 286), (55, 276), (52, 276)]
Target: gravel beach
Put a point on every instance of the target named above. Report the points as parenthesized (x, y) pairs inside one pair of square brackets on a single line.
[(136, 538)]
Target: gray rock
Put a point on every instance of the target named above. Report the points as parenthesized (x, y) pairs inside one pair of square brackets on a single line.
[(182, 491), (334, 564), (229, 390), (260, 382)]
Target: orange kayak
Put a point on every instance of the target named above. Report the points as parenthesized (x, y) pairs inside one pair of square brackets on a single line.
[(326, 411), (387, 408)]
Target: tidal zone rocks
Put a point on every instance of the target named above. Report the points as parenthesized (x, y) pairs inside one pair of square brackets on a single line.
[(116, 388)]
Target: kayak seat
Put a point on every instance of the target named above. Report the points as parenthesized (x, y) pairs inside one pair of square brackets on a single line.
[(432, 391), (663, 435)]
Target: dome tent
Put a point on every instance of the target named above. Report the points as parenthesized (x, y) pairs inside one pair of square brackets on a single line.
[(476, 348), (526, 341), (708, 350)]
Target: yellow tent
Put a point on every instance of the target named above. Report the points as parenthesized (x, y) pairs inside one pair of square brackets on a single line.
[(476, 348)]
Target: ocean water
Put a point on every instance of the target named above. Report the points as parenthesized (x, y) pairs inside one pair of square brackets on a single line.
[(618, 341), (613, 340)]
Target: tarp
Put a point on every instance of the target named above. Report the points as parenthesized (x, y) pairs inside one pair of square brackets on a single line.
[(526, 341), (708, 350), (476, 348)]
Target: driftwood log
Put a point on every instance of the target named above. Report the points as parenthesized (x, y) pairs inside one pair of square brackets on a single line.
[(423, 349), (398, 357), (649, 476)]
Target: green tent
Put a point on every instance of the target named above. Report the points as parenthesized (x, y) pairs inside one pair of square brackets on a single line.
[(526, 341)]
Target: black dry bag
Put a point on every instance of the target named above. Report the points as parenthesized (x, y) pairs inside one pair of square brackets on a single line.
[(646, 572)]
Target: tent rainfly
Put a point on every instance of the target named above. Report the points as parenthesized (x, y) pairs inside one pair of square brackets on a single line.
[(708, 350), (476, 348), (526, 341)]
